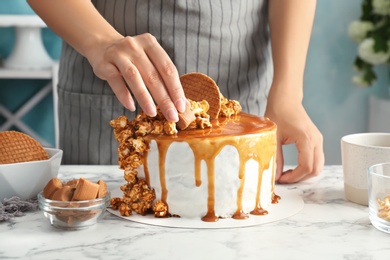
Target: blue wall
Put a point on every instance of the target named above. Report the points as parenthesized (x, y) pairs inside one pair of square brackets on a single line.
[(334, 103)]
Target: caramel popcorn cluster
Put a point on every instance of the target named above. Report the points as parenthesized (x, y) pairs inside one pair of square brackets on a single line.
[(229, 107), (384, 208), (137, 195)]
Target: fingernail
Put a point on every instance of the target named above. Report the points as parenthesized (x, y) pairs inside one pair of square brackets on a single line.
[(172, 115), (150, 110), (131, 106), (180, 105)]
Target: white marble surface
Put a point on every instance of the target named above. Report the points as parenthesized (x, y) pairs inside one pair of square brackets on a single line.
[(328, 227)]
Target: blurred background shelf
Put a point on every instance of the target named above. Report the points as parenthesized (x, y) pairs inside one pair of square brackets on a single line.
[(28, 60), (26, 74), (21, 20)]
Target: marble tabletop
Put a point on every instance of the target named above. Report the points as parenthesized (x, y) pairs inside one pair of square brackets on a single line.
[(328, 227)]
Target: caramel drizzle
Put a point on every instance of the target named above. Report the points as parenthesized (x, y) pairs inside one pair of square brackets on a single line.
[(210, 216), (246, 149), (198, 180), (146, 169), (258, 210), (240, 214), (162, 153), (208, 155), (275, 198)]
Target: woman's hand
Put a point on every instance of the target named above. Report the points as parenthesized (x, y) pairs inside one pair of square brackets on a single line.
[(296, 127), (142, 64)]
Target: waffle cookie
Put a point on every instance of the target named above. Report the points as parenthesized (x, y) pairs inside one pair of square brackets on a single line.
[(198, 87), (18, 147)]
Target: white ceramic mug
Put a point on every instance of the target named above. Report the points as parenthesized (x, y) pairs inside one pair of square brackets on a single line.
[(358, 152)]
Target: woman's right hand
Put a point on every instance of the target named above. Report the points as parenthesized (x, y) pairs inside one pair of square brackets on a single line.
[(142, 64)]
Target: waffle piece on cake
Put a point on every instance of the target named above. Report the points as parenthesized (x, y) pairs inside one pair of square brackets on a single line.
[(18, 147), (198, 87)]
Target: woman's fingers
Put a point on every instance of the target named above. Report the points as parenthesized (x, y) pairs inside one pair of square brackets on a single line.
[(134, 80), (167, 71), (142, 64), (151, 76), (117, 84), (310, 158)]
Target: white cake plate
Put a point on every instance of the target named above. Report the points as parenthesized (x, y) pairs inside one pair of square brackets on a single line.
[(290, 204)]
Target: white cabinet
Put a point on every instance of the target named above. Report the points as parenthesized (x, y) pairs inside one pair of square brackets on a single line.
[(28, 60)]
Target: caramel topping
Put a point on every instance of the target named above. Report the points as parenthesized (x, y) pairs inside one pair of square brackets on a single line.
[(259, 211), (242, 124), (275, 198), (253, 137), (240, 215), (210, 217), (162, 149)]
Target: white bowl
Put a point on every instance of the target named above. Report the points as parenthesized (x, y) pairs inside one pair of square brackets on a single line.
[(27, 179)]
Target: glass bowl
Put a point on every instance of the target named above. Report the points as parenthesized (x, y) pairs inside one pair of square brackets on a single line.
[(73, 215), (379, 196)]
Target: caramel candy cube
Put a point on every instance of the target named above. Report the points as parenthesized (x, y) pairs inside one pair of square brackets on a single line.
[(51, 187), (72, 183), (85, 190), (63, 194), (102, 189), (185, 118)]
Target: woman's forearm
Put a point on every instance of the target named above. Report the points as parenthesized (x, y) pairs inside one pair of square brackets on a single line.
[(75, 21), (291, 23)]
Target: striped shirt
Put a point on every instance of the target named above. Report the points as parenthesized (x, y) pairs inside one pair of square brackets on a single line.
[(227, 40)]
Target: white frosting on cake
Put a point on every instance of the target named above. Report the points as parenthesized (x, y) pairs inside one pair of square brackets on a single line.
[(186, 199)]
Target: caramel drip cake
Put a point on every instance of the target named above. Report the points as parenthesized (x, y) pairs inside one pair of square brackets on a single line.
[(206, 167)]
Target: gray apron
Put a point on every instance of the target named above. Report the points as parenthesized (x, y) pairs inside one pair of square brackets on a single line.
[(225, 39)]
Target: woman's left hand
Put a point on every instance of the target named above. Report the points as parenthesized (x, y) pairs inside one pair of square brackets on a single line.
[(296, 127)]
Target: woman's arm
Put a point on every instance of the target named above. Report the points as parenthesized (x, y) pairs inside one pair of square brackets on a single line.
[(290, 29), (138, 61)]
